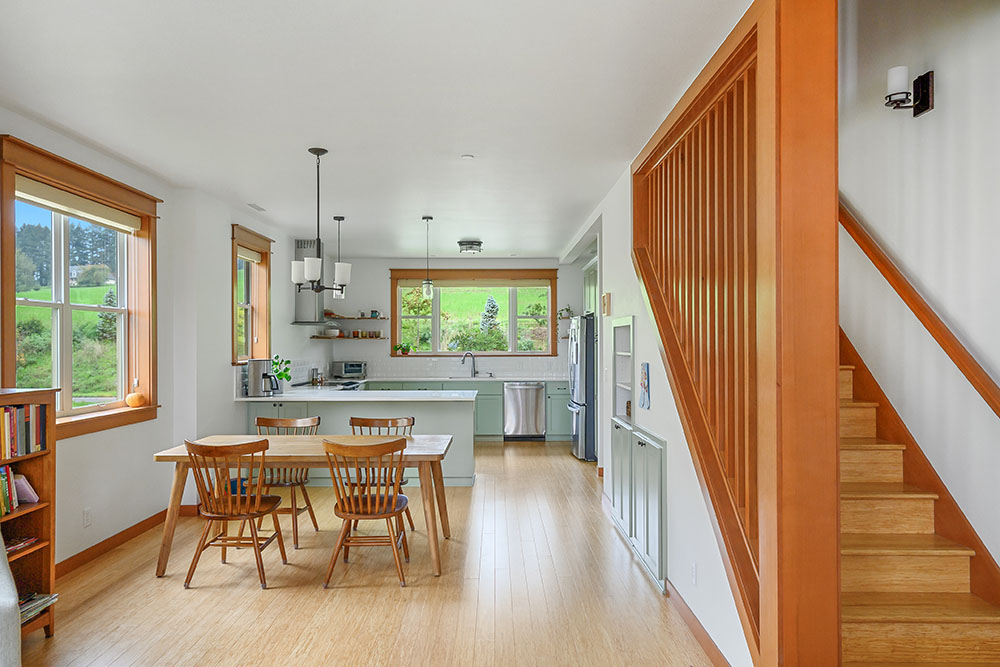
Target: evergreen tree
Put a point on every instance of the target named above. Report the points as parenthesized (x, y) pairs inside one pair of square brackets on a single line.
[(24, 272), (107, 323), (488, 321)]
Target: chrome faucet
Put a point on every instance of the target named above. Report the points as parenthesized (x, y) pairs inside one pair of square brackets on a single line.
[(474, 371)]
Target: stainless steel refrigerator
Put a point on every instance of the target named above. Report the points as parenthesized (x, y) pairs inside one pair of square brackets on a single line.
[(583, 386)]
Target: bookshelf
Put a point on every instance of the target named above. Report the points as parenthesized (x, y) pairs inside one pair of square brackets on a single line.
[(623, 368), (33, 565)]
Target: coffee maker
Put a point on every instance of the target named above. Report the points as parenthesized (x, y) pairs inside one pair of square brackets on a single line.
[(261, 380)]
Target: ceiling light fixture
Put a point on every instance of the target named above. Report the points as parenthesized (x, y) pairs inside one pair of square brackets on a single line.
[(428, 286), (468, 156), (470, 247), (310, 269)]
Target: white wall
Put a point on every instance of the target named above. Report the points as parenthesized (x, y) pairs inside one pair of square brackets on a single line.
[(99, 470), (928, 189), (690, 537), (370, 289)]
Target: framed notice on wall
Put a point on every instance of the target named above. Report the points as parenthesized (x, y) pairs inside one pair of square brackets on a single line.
[(644, 385)]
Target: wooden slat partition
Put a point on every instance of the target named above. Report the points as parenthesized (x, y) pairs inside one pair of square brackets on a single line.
[(734, 244), (696, 239), (949, 342)]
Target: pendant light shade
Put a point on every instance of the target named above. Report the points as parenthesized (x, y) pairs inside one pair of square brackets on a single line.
[(298, 271), (427, 285), (313, 268), (341, 273)]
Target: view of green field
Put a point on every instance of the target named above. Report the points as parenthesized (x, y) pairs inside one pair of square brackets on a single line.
[(476, 319), (93, 254)]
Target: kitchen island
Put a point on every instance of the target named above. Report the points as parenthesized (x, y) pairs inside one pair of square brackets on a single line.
[(451, 412)]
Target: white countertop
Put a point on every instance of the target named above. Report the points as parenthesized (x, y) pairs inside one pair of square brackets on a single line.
[(332, 394), (480, 378)]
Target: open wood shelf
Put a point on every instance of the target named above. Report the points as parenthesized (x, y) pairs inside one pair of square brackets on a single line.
[(345, 338), (33, 566), (25, 457), (14, 555), (622, 385), (24, 508), (367, 319)]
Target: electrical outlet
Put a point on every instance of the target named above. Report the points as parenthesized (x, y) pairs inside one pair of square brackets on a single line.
[(694, 574), (88, 517)]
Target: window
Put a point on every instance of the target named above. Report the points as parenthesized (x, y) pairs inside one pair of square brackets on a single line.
[(251, 294), (71, 307), (78, 309), (498, 312)]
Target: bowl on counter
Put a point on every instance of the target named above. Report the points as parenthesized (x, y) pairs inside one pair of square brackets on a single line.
[(332, 332)]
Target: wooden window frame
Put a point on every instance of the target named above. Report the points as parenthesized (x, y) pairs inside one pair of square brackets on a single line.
[(260, 293), (473, 275), (18, 157)]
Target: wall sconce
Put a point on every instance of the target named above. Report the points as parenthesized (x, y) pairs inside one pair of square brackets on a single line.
[(898, 91)]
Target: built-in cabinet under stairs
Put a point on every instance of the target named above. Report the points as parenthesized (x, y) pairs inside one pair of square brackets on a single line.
[(905, 590)]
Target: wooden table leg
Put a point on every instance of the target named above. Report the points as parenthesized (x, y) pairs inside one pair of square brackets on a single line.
[(430, 516), (173, 511), (441, 500)]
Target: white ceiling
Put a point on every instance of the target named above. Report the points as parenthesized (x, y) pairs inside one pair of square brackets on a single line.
[(553, 98)]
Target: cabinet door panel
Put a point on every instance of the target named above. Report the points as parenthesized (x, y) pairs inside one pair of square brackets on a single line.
[(292, 410), (621, 474), (558, 420), (255, 410), (489, 415), (422, 386), (639, 500), (652, 549)]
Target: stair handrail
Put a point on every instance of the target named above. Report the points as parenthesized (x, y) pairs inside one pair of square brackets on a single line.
[(939, 331)]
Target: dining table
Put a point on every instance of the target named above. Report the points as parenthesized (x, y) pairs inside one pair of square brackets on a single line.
[(423, 452)]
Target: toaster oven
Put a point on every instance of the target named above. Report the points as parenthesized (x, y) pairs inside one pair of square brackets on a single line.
[(349, 369)]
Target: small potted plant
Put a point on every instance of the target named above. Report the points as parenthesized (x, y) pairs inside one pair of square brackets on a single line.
[(402, 348), (565, 313), (282, 370)]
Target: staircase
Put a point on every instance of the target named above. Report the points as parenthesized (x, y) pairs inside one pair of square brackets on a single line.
[(904, 589)]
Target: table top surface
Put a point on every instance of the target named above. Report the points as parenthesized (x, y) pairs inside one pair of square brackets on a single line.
[(308, 449)]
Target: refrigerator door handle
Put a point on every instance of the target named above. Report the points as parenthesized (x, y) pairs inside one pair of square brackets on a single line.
[(574, 408)]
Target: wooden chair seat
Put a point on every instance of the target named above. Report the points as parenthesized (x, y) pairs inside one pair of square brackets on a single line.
[(294, 479), (386, 426), (267, 505), (342, 510), (230, 479), (366, 483)]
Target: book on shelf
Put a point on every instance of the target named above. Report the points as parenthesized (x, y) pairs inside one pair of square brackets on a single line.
[(23, 430), (33, 604), (15, 544), (8, 499)]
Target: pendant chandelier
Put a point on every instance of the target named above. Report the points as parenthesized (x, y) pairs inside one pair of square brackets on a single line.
[(428, 284), (308, 273)]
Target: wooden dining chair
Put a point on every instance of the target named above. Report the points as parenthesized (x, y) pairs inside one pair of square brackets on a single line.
[(290, 478), (366, 483), (391, 426), (229, 479)]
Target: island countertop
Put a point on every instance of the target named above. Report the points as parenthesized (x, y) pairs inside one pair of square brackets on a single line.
[(323, 394)]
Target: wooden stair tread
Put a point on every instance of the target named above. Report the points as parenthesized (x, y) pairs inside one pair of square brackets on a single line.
[(852, 403), (915, 544), (855, 490), (917, 608), (873, 444), (846, 367)]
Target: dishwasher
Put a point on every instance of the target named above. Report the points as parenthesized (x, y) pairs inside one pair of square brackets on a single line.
[(524, 410)]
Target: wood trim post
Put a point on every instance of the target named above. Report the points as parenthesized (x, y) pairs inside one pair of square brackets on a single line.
[(798, 334)]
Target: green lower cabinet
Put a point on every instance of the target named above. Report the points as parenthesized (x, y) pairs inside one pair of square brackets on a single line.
[(558, 418), (647, 500), (383, 386), (272, 409), (422, 386), (621, 475), (489, 414)]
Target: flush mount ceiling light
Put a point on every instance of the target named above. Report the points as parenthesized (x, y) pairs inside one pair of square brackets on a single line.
[(427, 285), (468, 156), (470, 247), (310, 269)]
